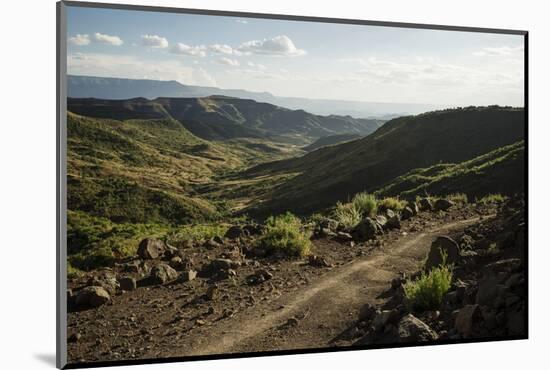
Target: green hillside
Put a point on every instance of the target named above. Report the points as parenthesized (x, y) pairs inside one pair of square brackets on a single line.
[(334, 173), (222, 118), (330, 140)]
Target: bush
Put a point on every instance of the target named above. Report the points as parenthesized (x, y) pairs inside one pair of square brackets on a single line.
[(347, 215), (492, 198), (190, 233), (457, 198), (426, 293), (284, 233), (365, 203), (391, 203)]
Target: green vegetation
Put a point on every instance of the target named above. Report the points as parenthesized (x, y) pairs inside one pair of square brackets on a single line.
[(365, 203), (393, 203), (181, 235), (492, 198), (347, 215), (426, 293), (457, 198), (285, 235)]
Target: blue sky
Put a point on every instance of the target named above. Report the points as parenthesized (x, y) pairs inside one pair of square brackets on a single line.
[(305, 59)]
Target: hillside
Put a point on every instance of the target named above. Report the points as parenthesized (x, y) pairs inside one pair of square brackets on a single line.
[(494, 172), (124, 88), (334, 173), (221, 117), (330, 140)]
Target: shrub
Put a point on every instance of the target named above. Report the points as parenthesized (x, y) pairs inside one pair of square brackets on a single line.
[(347, 215), (284, 233), (426, 293), (458, 198), (196, 232), (492, 198), (394, 204), (365, 203)]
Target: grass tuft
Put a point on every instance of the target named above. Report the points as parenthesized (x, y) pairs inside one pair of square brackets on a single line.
[(285, 234), (347, 215), (365, 203), (492, 199), (395, 204)]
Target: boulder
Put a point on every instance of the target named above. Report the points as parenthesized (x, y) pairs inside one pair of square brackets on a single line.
[(382, 220), (382, 318), (366, 229), (127, 283), (92, 296), (234, 232), (488, 291), (329, 223), (442, 204), (389, 213), (443, 245), (466, 319), (394, 222), (411, 330), (150, 248), (366, 312), (406, 213), (212, 244), (344, 237), (425, 204), (105, 279), (162, 273), (170, 251), (327, 232)]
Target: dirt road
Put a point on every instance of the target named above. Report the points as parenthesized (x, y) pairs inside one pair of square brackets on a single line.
[(318, 314)]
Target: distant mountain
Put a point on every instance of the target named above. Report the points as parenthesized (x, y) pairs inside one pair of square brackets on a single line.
[(330, 140), (222, 117), (333, 173), (122, 88)]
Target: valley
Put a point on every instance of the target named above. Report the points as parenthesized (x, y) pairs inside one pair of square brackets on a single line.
[(216, 224)]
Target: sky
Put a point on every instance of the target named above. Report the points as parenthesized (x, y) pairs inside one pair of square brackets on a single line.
[(299, 59)]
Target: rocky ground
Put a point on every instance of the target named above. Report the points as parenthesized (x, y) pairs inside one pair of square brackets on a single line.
[(222, 296)]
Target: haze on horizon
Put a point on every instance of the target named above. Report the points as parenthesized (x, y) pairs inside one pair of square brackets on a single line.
[(299, 59)]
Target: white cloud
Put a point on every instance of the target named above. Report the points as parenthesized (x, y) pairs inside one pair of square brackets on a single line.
[(128, 66), (229, 61), (221, 49), (277, 46), (79, 39), (107, 39), (258, 66), (182, 49), (499, 51), (242, 21), (154, 41)]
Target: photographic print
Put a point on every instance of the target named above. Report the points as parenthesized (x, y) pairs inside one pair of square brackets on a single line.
[(241, 184)]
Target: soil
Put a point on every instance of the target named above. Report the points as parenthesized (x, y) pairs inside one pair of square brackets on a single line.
[(301, 306)]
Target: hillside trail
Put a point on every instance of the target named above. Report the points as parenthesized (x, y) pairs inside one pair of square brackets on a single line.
[(318, 315)]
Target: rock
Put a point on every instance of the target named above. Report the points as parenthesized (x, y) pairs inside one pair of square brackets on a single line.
[(150, 248), (442, 204), (188, 275), (211, 293), (397, 282), (389, 213), (92, 296), (445, 245), (318, 261), (413, 206), (329, 223), (234, 232), (344, 237), (367, 229), (223, 264), (127, 283), (466, 241), (466, 318), (327, 232), (406, 213), (425, 204), (170, 251), (382, 220), (105, 279), (488, 291), (73, 338), (508, 266), (412, 330), (176, 262), (253, 229), (383, 318), (394, 222), (366, 312), (218, 239), (259, 277), (132, 267), (212, 244), (162, 273)]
